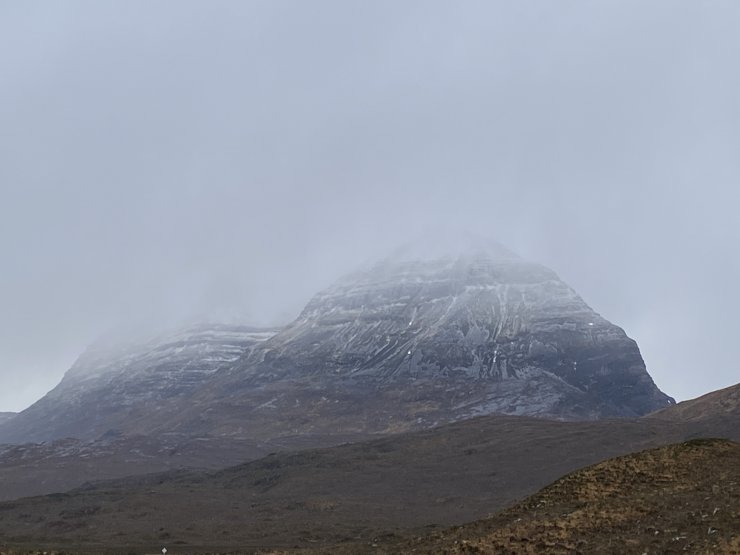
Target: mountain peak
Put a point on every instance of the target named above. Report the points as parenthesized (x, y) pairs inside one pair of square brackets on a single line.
[(451, 246), (463, 328), (443, 329), (456, 259)]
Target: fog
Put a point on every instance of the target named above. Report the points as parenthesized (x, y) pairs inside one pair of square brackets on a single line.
[(174, 160)]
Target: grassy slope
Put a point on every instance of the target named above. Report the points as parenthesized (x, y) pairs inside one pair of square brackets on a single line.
[(349, 493), (675, 499)]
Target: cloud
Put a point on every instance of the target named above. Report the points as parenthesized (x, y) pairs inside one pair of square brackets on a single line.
[(162, 160)]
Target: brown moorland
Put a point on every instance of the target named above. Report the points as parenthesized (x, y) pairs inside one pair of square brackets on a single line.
[(682, 498), (356, 493)]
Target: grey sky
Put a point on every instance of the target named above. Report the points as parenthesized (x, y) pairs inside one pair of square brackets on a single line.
[(160, 160)]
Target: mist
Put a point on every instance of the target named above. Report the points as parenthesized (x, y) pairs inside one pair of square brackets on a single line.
[(163, 162)]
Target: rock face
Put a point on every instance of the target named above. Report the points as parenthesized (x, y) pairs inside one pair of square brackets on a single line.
[(116, 385), (419, 340), (422, 338)]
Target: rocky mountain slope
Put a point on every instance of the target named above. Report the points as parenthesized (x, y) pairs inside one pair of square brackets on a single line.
[(423, 338), (6, 416), (415, 342), (119, 384)]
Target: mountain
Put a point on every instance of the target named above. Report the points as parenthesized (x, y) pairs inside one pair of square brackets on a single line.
[(434, 333), (421, 339), (6, 416), (123, 383)]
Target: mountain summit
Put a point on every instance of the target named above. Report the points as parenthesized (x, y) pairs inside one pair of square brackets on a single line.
[(432, 334), (428, 337)]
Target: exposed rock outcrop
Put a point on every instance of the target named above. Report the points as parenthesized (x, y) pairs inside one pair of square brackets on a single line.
[(428, 336)]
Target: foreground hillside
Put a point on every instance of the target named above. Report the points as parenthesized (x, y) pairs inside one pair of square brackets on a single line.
[(674, 499), (719, 410)]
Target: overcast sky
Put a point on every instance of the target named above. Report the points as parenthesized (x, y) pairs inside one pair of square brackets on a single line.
[(160, 160)]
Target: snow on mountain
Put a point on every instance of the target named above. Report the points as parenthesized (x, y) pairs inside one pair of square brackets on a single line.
[(434, 333), (422, 339), (116, 382)]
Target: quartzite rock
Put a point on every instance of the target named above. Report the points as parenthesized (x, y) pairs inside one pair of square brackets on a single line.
[(420, 339)]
